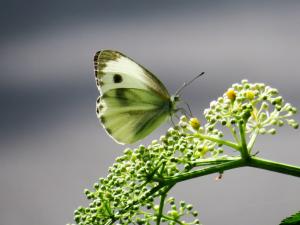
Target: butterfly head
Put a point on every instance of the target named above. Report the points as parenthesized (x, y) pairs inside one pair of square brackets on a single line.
[(173, 101)]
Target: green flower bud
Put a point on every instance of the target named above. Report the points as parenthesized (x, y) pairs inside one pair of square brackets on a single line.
[(183, 124), (189, 207), (272, 131), (183, 118), (244, 81), (182, 203), (224, 122), (274, 91), (195, 213), (196, 221), (265, 106), (173, 213), (280, 123), (295, 125), (262, 131), (262, 116)]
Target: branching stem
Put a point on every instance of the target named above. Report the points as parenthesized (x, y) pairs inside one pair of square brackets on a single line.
[(219, 141)]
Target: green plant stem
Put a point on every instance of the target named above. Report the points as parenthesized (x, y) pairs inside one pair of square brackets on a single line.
[(252, 140), (219, 141), (274, 166), (244, 150), (233, 132), (172, 219), (208, 162), (161, 207), (238, 162), (234, 163), (161, 204), (205, 171)]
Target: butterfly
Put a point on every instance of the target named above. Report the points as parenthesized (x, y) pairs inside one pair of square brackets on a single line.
[(132, 102)]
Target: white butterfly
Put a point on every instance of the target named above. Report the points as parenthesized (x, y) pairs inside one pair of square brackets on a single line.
[(133, 102)]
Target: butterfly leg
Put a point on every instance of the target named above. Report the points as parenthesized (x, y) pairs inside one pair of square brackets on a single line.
[(189, 108), (171, 118), (183, 112)]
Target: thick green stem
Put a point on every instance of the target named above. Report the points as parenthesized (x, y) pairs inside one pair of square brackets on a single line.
[(205, 171), (239, 162), (274, 166)]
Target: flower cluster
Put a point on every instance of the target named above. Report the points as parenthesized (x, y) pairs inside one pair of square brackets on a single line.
[(128, 193), (142, 177), (258, 105)]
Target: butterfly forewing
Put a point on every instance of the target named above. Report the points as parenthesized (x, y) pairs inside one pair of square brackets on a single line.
[(115, 70)]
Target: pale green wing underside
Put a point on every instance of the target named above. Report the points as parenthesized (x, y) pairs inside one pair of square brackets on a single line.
[(133, 102), (129, 114)]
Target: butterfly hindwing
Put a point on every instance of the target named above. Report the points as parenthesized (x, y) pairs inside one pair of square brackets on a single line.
[(129, 115)]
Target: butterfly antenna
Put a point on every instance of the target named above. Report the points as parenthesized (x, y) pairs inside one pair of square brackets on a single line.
[(187, 84)]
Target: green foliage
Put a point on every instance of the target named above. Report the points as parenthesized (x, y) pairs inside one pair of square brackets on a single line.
[(291, 220), (136, 187)]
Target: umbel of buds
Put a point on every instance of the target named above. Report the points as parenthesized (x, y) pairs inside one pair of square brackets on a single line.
[(258, 105), (136, 187)]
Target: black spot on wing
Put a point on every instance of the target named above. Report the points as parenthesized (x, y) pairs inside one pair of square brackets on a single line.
[(117, 78)]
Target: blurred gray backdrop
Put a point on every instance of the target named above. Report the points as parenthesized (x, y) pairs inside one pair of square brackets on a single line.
[(51, 143)]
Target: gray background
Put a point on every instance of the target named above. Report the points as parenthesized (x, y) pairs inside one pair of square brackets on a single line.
[(51, 144)]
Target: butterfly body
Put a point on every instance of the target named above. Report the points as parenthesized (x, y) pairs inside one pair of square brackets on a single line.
[(133, 102)]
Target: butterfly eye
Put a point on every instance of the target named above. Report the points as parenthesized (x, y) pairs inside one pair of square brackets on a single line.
[(117, 78)]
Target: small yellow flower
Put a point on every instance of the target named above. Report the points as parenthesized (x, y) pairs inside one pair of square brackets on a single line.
[(194, 122), (231, 94), (204, 151), (250, 95)]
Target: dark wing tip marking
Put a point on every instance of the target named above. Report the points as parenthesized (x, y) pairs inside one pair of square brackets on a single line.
[(97, 55), (96, 63), (101, 58)]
